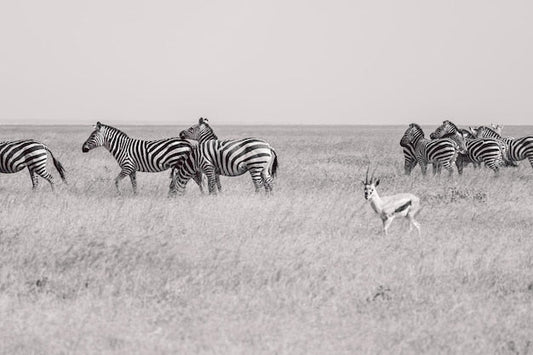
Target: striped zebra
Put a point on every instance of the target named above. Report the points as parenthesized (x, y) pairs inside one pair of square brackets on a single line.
[(478, 150), (409, 157), (28, 153), (214, 157), (518, 149), (202, 132), (134, 155), (439, 152)]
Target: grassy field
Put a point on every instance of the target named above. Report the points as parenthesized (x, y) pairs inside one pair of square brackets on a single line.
[(84, 270)]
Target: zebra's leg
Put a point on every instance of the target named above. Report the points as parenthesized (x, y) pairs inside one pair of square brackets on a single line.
[(408, 166), (257, 179), (211, 179), (448, 166), (34, 180), (267, 181), (133, 178), (460, 165), (436, 168), (198, 178), (47, 176), (172, 189), (493, 165), (120, 176), (423, 167), (219, 185)]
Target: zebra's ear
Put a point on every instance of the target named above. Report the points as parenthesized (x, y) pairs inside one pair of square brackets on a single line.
[(98, 125)]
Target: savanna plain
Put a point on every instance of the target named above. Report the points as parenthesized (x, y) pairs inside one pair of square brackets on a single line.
[(306, 270)]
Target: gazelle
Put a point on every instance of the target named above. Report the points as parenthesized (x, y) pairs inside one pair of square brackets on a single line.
[(389, 207)]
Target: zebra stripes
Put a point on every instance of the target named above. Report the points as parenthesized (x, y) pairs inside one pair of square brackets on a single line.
[(28, 153), (440, 152), (134, 155), (478, 150), (517, 149), (213, 157)]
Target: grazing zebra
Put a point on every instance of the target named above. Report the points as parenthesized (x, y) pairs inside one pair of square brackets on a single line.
[(478, 150), (517, 148), (440, 152), (134, 155), (229, 158), (28, 153)]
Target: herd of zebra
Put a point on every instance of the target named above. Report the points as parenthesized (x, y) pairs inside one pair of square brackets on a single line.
[(197, 151), (449, 144)]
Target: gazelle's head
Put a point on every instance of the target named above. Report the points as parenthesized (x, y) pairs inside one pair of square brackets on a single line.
[(370, 185)]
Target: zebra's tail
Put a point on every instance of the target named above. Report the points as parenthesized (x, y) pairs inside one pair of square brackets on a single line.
[(274, 166), (58, 165)]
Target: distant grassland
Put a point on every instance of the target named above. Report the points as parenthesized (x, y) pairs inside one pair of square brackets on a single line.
[(303, 271)]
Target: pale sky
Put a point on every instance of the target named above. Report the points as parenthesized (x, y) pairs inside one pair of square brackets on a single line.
[(266, 62)]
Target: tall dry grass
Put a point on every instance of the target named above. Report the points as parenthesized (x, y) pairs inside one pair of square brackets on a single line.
[(83, 270)]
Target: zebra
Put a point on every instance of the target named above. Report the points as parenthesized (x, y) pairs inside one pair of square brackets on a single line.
[(440, 152), (233, 157), (229, 158), (409, 157), (202, 132), (31, 154), (518, 149), (489, 151), (134, 155)]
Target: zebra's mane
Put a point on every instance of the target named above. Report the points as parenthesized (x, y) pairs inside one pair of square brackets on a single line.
[(417, 127), (450, 123), (492, 131), (210, 130), (114, 130)]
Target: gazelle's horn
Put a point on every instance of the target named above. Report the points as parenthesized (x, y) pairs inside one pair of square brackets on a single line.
[(373, 172), (366, 179)]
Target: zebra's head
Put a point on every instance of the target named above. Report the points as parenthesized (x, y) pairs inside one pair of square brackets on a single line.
[(199, 132), (445, 128), (370, 185), (498, 128), (411, 135), (473, 130), (486, 132), (96, 139)]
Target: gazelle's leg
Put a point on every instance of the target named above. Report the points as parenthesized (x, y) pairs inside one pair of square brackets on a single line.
[(415, 223), (386, 224)]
